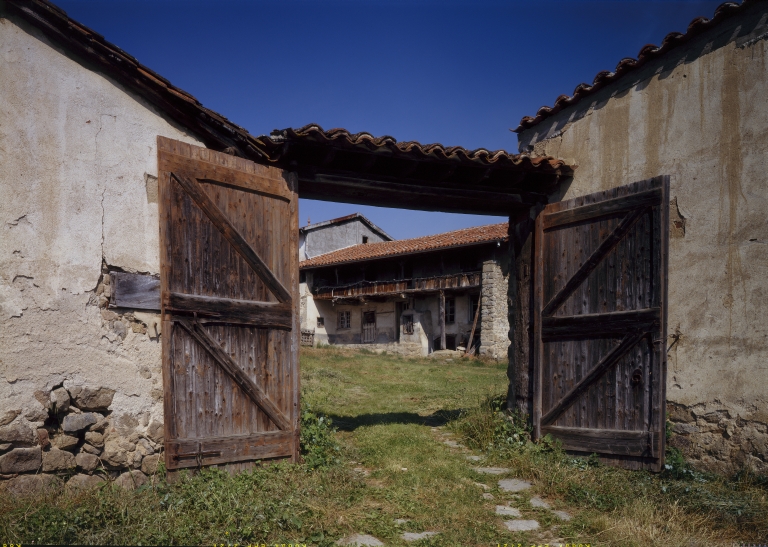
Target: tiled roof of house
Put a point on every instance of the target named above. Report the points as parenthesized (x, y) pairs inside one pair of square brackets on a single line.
[(626, 65), (347, 218), (447, 240)]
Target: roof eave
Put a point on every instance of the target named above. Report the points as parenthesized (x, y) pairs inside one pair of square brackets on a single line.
[(405, 253)]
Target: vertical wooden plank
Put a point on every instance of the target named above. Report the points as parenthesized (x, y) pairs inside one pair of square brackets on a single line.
[(538, 272), (293, 358), (164, 213), (660, 379)]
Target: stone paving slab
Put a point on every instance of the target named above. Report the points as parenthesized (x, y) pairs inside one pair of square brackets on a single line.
[(474, 458), (413, 536), (521, 525), (491, 470), (453, 444), (562, 515), (507, 511), (361, 540), (538, 502), (487, 496), (513, 485)]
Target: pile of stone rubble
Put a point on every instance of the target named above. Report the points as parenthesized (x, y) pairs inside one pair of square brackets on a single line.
[(79, 444)]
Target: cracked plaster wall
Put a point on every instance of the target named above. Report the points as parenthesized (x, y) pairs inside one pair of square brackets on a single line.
[(79, 165), (698, 115)]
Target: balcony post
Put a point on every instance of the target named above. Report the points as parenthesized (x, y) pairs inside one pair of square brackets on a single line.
[(441, 315)]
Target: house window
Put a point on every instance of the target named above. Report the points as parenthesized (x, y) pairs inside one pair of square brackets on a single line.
[(365, 240), (474, 301), (344, 322), (450, 310), (320, 322), (407, 324)]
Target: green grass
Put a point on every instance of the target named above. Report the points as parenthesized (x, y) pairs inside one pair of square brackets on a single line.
[(387, 461)]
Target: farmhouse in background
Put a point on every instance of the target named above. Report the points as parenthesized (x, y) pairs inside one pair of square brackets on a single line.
[(412, 296), (332, 235)]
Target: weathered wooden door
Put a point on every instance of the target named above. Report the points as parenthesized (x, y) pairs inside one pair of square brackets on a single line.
[(369, 327), (600, 323), (229, 296)]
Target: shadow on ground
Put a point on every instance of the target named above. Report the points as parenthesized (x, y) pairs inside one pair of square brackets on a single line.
[(436, 419)]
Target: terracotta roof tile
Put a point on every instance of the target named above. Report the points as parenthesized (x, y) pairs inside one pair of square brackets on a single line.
[(387, 145), (447, 240), (626, 65)]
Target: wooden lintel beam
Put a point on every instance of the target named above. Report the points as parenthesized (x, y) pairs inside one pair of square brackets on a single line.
[(405, 196)]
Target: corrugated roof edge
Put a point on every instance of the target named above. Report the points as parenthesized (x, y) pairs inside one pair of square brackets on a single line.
[(403, 247), (363, 218), (647, 53)]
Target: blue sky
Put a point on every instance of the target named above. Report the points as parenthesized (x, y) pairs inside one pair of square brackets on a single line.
[(455, 72)]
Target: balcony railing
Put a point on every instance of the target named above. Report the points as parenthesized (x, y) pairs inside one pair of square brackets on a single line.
[(402, 286)]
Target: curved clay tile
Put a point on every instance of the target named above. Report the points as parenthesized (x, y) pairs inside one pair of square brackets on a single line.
[(437, 151)]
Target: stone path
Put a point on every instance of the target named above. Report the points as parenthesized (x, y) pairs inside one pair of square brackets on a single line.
[(360, 539), (536, 501), (510, 486), (491, 470), (413, 536), (562, 515), (521, 525), (506, 511), (513, 485)]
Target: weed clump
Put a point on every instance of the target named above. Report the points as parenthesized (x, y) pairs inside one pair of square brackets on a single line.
[(491, 427), (318, 443), (613, 499)]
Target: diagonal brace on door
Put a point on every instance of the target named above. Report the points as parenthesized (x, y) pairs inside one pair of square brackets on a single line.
[(605, 363), (227, 229), (591, 263), (250, 388)]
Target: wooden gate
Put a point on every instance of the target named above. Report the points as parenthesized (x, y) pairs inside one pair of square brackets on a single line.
[(229, 297), (600, 323)]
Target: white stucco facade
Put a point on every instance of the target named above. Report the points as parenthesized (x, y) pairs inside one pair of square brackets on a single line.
[(79, 192)]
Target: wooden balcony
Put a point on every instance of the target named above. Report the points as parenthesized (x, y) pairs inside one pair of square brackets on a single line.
[(404, 286)]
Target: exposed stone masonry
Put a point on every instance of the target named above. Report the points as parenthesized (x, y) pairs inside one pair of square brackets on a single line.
[(80, 443), (713, 438), (494, 319)]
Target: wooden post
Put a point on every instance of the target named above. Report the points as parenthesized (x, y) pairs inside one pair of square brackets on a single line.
[(519, 370), (441, 313), (474, 324)]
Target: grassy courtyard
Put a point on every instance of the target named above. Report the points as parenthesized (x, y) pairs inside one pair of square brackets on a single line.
[(398, 462)]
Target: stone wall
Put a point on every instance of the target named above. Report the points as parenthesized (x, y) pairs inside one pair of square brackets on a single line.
[(79, 441), (494, 311), (698, 115)]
